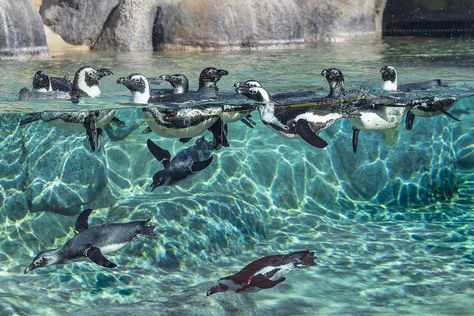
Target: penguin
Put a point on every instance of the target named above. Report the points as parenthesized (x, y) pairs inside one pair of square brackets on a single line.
[(175, 122), (42, 82), (186, 162), (179, 82), (305, 122), (92, 243), (208, 79), (372, 117), (264, 273), (335, 79), (46, 88), (85, 84), (390, 83)]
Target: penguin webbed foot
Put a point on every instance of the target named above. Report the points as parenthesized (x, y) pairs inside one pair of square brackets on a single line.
[(355, 139), (219, 131), (409, 120), (93, 134), (96, 256)]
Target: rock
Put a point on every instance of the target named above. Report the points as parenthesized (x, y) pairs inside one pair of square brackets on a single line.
[(131, 19), (243, 23), (22, 32), (77, 21), (337, 20)]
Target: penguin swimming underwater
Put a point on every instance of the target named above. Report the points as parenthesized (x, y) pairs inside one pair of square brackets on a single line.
[(85, 84), (264, 273), (175, 122), (92, 243), (390, 83), (186, 162), (291, 122)]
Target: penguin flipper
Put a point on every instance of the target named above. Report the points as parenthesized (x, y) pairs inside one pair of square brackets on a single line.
[(355, 139), (449, 115), (409, 120), (262, 282), (94, 254), (218, 130), (159, 153), (304, 130), (92, 131), (201, 165), (81, 221)]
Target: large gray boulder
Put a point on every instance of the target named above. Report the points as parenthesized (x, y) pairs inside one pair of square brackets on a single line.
[(133, 25), (21, 30), (78, 22), (246, 23), (337, 20)]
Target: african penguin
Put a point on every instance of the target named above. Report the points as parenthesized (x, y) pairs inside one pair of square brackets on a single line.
[(424, 109), (186, 162), (92, 243), (175, 122), (264, 273)]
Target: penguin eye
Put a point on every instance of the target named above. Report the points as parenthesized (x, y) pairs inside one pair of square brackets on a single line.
[(253, 91), (136, 80), (38, 262)]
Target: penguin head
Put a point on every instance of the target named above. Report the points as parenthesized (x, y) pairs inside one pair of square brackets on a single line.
[(159, 179), (222, 285), (179, 82), (41, 82), (389, 77), (43, 259), (335, 79), (210, 76), (301, 258), (138, 86), (258, 94), (86, 80), (247, 84)]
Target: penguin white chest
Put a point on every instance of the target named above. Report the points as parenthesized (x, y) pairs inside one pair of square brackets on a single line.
[(112, 248), (281, 271)]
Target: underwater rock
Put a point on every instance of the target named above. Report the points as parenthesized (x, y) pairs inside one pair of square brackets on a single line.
[(78, 22), (22, 33)]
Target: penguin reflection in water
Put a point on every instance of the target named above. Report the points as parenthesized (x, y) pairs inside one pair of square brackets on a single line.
[(92, 243), (187, 162), (264, 273)]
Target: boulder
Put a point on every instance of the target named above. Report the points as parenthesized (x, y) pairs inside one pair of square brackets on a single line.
[(78, 21), (337, 20), (21, 30), (246, 23)]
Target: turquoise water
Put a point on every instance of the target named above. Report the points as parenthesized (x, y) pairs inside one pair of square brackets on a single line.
[(392, 226)]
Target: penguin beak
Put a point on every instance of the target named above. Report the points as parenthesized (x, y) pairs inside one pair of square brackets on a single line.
[(103, 72), (216, 289), (29, 268), (222, 72)]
